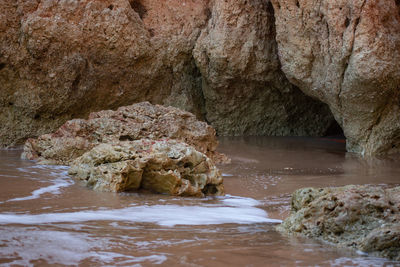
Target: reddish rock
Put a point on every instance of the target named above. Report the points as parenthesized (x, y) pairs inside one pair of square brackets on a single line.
[(347, 54), (245, 91), (138, 121), (61, 60)]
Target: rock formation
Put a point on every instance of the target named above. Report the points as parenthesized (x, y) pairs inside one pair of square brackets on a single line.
[(362, 217), (62, 60), (347, 54), (138, 121), (168, 167), (219, 59), (245, 91)]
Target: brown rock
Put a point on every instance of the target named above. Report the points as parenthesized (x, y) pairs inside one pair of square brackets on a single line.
[(138, 121), (245, 91), (347, 54), (362, 217), (61, 59), (167, 167)]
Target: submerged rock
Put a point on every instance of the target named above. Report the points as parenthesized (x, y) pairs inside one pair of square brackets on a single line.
[(363, 217), (164, 166), (129, 123)]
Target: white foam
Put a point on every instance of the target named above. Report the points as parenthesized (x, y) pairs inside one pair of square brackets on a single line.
[(53, 189), (227, 175), (61, 180), (361, 261), (65, 248), (240, 201), (165, 215)]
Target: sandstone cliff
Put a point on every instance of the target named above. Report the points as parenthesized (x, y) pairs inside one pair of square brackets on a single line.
[(347, 54), (244, 88), (240, 65), (62, 60)]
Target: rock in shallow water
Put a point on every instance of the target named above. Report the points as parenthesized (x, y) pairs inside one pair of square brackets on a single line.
[(164, 166), (141, 120), (362, 217)]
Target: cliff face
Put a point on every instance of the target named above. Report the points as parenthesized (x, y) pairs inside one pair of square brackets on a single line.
[(244, 88), (237, 64), (347, 54), (63, 59)]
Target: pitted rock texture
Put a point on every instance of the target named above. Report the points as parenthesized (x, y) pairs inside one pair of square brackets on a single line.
[(167, 167), (347, 54), (245, 91), (362, 217), (61, 60), (129, 123)]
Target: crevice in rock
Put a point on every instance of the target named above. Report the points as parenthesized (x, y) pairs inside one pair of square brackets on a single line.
[(75, 83), (198, 91), (126, 138), (348, 56), (347, 22), (2, 66), (196, 73), (208, 14), (139, 8)]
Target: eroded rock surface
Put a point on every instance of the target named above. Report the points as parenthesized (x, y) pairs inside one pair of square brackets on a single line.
[(138, 121), (245, 91), (217, 59), (63, 59), (347, 54), (168, 167), (363, 217)]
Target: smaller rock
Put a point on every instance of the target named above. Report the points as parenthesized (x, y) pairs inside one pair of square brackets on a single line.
[(363, 217), (164, 166), (128, 123)]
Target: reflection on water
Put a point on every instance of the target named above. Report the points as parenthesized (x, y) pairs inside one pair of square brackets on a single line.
[(47, 218)]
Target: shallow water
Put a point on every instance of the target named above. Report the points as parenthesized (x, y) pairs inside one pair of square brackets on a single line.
[(47, 218)]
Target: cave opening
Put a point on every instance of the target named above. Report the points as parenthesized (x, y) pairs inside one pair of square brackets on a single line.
[(334, 130)]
